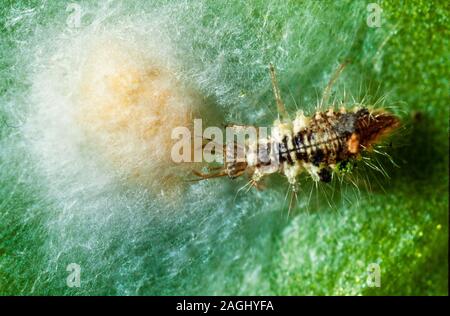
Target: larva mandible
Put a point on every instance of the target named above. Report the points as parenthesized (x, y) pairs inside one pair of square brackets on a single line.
[(320, 145)]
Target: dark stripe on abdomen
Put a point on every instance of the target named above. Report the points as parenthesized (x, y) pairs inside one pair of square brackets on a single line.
[(300, 148), (283, 151)]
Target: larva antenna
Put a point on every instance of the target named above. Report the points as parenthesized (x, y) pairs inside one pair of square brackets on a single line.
[(327, 91), (276, 91)]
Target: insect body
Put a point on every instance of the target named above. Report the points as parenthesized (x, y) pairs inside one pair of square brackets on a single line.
[(319, 145)]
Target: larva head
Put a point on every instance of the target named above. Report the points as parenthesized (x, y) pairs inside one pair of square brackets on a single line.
[(363, 128), (371, 127)]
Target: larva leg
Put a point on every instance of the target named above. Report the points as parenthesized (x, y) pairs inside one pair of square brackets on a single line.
[(256, 180), (257, 185), (293, 199)]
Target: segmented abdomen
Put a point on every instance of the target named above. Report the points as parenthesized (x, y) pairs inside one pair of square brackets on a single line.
[(319, 142)]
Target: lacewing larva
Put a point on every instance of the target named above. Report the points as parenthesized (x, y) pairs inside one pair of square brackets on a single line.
[(321, 145)]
